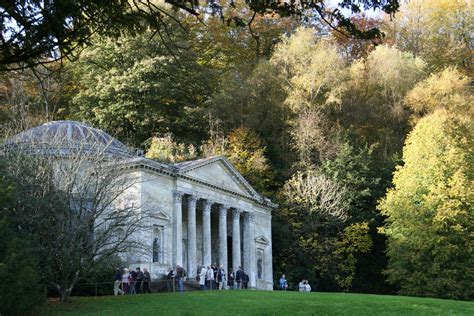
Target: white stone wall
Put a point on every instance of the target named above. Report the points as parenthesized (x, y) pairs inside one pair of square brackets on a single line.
[(156, 194)]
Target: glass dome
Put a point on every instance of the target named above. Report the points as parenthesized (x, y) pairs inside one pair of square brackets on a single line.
[(63, 137)]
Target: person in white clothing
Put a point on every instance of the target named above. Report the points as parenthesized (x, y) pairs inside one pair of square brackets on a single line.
[(125, 281), (301, 286), (210, 277), (202, 278)]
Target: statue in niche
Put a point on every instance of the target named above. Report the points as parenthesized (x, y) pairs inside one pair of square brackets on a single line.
[(156, 247), (259, 265)]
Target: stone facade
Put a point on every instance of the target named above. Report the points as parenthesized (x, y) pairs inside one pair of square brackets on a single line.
[(203, 212)]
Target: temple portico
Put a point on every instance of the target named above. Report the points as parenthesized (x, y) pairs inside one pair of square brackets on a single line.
[(215, 218)]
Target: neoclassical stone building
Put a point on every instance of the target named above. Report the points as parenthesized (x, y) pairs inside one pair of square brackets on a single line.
[(203, 211), (206, 213)]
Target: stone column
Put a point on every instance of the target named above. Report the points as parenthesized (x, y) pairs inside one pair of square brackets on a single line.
[(249, 248), (206, 233), (192, 260), (236, 262), (177, 228), (223, 236)]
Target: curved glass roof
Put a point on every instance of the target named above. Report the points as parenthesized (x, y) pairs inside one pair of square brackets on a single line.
[(69, 135)]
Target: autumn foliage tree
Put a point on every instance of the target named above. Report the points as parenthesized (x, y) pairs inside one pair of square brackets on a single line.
[(430, 210)]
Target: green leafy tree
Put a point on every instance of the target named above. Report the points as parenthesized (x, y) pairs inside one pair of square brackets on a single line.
[(35, 32), (253, 98), (355, 242), (136, 87), (18, 263), (430, 210)]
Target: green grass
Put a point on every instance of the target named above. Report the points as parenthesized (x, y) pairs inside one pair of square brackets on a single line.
[(259, 303)]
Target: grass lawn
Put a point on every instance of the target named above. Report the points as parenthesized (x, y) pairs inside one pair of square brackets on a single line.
[(259, 303)]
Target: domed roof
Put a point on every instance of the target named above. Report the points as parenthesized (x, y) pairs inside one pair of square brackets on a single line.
[(66, 136)]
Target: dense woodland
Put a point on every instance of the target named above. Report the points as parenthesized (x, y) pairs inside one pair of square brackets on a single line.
[(366, 145)]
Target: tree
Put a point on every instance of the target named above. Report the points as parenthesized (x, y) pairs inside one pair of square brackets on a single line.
[(312, 68), (165, 149), (313, 75), (448, 89), (17, 264), (439, 31), (355, 242), (73, 199), (253, 99), (245, 150), (137, 88), (323, 198), (373, 105), (36, 32), (429, 210)]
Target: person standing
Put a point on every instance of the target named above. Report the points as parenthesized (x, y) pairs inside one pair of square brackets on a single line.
[(146, 281), (302, 286), (283, 283), (138, 284), (170, 280), (230, 280), (181, 275), (125, 281), (118, 281), (214, 279), (133, 280), (210, 277), (202, 278), (239, 278), (246, 280), (307, 287), (220, 277)]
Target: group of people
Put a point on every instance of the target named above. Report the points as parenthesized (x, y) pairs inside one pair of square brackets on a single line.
[(210, 278), (216, 278), (303, 286), (131, 281)]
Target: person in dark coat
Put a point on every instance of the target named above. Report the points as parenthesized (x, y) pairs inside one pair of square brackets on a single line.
[(133, 280), (138, 284), (230, 280), (181, 275), (170, 280), (146, 281), (246, 281), (214, 271), (239, 278), (118, 281)]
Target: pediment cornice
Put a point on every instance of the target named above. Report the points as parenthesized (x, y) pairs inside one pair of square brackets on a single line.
[(181, 170)]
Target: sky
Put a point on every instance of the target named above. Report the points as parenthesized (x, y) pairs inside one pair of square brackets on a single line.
[(369, 13)]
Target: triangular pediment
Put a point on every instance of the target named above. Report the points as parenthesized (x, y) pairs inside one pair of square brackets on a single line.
[(161, 215), (262, 239), (217, 171)]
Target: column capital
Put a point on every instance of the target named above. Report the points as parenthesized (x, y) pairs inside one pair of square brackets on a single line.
[(177, 195), (207, 201), (236, 212), (223, 210), (192, 199), (249, 216), (206, 206)]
